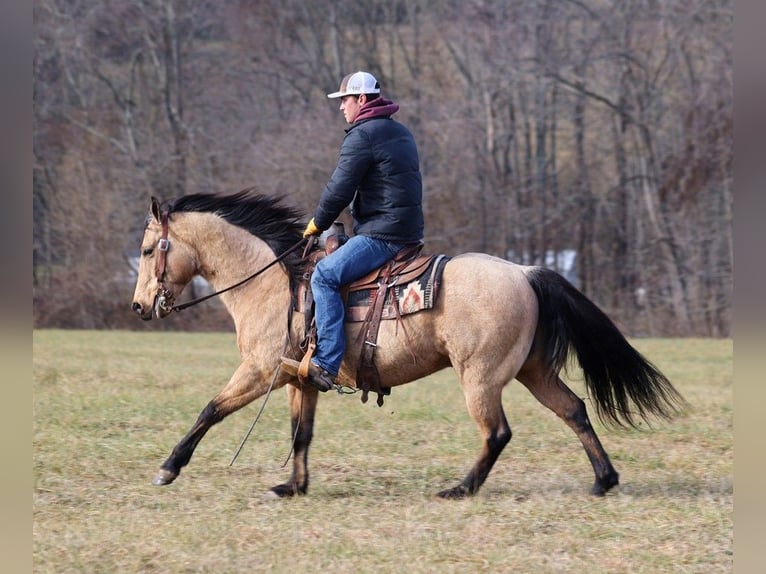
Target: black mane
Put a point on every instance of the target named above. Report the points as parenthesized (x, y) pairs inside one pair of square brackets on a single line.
[(266, 217)]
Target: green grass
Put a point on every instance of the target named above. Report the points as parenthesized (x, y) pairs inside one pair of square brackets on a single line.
[(109, 407)]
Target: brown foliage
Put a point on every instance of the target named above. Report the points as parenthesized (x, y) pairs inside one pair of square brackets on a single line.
[(600, 127)]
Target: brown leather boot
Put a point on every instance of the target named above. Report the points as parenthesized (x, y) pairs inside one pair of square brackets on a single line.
[(318, 377)]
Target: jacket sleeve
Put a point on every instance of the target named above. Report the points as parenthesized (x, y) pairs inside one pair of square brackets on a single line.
[(354, 160)]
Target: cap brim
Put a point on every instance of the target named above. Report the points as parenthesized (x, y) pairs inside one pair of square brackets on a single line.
[(336, 94)]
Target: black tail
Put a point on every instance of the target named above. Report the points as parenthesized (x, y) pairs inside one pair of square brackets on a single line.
[(623, 384)]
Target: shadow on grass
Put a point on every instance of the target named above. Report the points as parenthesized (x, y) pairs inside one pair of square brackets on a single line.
[(689, 487), (386, 487)]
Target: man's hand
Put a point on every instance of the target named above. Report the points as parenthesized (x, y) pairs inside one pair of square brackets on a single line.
[(311, 229)]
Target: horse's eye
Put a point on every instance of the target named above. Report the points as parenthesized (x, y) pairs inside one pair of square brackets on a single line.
[(147, 251)]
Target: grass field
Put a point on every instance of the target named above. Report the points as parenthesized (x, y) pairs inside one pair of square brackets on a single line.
[(109, 407)]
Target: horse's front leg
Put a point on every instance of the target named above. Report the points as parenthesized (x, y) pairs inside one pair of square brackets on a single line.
[(246, 384), (303, 402)]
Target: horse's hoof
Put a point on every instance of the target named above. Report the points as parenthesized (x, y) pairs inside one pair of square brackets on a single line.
[(457, 493), (164, 477), (286, 490), (601, 487)]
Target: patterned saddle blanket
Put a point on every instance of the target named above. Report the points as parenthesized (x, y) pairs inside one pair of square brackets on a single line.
[(412, 288)]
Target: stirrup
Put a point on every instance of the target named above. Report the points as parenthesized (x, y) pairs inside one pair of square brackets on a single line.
[(290, 366)]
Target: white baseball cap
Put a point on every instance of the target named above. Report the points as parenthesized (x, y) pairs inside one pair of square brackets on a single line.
[(357, 83)]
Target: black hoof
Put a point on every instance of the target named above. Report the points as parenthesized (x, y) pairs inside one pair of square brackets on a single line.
[(288, 490), (164, 477), (604, 485), (456, 493)]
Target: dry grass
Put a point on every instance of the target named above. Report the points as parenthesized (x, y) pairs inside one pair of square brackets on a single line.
[(109, 406)]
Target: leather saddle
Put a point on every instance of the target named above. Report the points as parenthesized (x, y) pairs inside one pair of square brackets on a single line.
[(406, 284)]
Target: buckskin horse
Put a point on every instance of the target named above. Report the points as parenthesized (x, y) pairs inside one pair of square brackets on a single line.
[(492, 321)]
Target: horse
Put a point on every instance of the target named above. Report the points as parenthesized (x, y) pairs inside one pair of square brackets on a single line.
[(493, 321)]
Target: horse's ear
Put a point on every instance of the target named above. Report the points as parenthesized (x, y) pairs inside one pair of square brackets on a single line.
[(155, 209)]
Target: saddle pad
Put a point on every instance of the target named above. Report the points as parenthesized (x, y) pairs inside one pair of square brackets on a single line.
[(416, 295)]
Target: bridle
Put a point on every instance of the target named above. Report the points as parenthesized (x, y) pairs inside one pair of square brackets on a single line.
[(164, 298)]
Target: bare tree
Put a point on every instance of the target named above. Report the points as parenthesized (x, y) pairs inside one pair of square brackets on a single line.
[(596, 127)]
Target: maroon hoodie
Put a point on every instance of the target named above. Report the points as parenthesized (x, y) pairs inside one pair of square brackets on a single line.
[(377, 108)]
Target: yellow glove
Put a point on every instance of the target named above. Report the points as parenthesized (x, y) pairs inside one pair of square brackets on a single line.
[(311, 229)]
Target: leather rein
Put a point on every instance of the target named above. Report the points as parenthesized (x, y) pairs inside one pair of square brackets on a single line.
[(163, 293)]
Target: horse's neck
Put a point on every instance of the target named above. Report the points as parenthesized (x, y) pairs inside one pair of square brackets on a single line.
[(226, 252), (227, 255)]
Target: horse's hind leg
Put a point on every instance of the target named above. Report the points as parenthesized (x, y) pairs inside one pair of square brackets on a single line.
[(303, 404), (552, 392), (485, 406)]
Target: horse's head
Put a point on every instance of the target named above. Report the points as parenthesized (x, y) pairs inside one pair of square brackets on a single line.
[(166, 266)]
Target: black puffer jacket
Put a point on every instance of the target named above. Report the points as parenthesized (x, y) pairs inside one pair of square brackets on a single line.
[(379, 169)]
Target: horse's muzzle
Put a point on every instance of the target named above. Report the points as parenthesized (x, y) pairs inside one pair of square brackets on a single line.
[(145, 314)]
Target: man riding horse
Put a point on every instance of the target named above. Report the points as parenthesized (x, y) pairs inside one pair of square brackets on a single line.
[(378, 172)]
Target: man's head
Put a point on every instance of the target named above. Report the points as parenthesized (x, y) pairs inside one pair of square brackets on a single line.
[(356, 90)]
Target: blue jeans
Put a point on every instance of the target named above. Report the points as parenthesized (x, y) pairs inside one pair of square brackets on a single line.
[(353, 260)]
